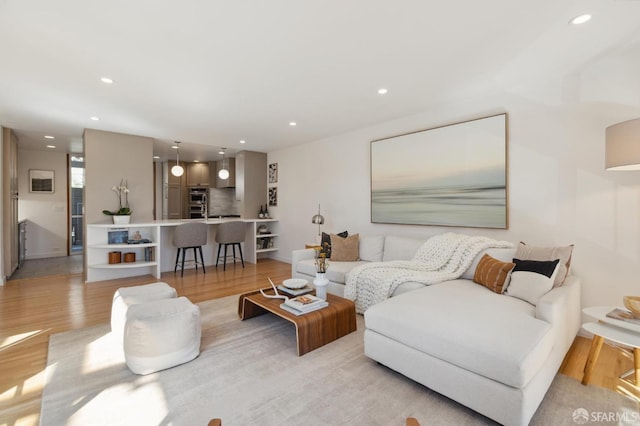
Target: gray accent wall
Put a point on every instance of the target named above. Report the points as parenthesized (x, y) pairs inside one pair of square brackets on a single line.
[(110, 157)]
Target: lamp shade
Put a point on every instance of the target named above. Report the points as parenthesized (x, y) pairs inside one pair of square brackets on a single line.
[(317, 219), (622, 152), (177, 170)]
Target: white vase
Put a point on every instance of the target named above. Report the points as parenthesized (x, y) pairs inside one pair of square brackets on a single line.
[(321, 282), (121, 219)]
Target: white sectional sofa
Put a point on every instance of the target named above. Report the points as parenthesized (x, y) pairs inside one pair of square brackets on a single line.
[(493, 353), (376, 248)]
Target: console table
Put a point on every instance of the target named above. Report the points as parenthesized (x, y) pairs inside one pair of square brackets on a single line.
[(617, 331)]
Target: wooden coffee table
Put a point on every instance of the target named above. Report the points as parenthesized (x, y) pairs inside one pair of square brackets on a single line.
[(313, 329)]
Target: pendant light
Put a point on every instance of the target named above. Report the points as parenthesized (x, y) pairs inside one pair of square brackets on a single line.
[(223, 173), (177, 170)]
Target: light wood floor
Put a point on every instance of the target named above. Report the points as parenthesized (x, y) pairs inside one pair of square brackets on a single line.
[(33, 309)]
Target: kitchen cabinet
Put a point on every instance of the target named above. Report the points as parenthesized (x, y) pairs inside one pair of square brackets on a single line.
[(174, 202), (197, 174), (215, 167), (173, 192)]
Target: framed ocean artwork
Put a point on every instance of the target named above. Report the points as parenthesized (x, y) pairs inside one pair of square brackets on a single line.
[(452, 175)]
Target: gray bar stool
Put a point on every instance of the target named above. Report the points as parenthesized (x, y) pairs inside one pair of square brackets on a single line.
[(187, 236), (230, 234)]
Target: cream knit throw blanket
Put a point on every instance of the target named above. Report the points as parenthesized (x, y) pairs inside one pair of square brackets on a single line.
[(441, 258)]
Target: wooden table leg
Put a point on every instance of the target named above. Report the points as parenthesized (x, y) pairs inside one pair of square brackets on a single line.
[(594, 352), (636, 364)]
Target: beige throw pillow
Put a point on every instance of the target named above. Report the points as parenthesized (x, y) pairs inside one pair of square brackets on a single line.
[(541, 254), (344, 249)]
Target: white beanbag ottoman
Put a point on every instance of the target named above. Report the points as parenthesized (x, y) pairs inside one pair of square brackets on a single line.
[(161, 334), (127, 296)]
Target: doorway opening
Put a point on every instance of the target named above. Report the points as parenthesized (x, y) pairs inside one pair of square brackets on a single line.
[(76, 203)]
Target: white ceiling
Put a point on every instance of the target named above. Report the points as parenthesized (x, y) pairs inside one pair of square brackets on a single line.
[(212, 73)]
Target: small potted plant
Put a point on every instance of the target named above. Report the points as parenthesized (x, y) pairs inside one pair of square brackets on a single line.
[(123, 214)]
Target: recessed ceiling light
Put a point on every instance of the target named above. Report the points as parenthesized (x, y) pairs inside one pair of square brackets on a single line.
[(49, 137), (94, 118), (196, 161), (581, 19), (221, 152), (156, 157), (106, 80), (293, 123), (382, 91), (51, 146), (174, 146), (243, 142)]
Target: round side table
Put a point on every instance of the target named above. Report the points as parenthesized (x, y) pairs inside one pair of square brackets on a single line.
[(622, 332)]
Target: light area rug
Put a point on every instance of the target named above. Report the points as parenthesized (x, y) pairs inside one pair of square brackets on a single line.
[(248, 373)]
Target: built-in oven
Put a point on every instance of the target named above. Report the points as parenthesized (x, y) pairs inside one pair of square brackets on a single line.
[(197, 211), (198, 203), (197, 195)]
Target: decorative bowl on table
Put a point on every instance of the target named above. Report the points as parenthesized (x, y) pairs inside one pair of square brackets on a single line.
[(632, 303), (294, 283)]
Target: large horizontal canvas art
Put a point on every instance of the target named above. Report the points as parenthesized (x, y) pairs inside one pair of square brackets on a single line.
[(454, 175)]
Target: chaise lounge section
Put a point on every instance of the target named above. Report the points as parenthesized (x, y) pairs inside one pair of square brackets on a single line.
[(490, 352)]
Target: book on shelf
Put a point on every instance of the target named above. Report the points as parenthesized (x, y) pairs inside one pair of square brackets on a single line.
[(306, 303), (149, 254), (622, 315), (297, 312), (295, 291)]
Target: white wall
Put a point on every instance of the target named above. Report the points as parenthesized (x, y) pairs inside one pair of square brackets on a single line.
[(46, 214), (559, 191)]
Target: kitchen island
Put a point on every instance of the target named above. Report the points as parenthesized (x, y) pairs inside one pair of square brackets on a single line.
[(152, 248)]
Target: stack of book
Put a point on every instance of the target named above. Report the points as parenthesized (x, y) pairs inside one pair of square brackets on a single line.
[(304, 304), (294, 291), (622, 315)]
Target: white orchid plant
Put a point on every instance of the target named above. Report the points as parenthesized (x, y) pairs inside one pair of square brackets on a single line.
[(122, 192)]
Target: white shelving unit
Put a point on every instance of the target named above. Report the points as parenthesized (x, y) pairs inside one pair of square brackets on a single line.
[(259, 243), (98, 248), (258, 239)]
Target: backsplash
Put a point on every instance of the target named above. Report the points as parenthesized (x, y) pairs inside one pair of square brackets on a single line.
[(222, 201)]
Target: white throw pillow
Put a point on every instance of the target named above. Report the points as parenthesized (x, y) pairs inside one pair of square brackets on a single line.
[(372, 248), (532, 279)]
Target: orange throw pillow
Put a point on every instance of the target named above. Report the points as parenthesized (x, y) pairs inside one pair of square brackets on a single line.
[(493, 273)]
